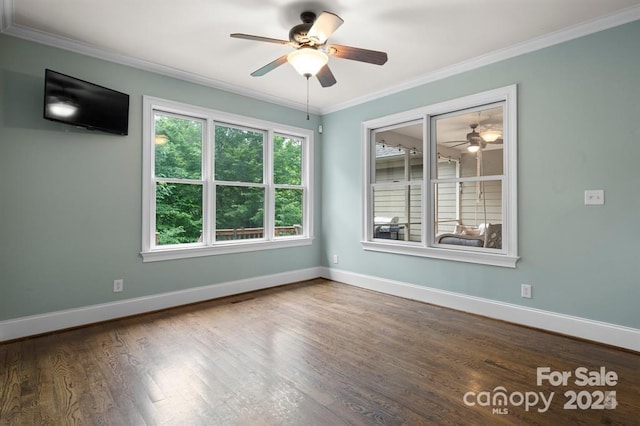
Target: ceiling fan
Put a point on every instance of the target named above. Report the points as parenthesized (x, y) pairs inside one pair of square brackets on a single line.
[(311, 54), (477, 140)]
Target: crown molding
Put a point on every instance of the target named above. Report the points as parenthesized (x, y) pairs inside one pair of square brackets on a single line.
[(7, 26), (621, 17), (624, 16)]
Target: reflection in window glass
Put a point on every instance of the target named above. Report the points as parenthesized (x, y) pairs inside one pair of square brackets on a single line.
[(390, 164), (461, 204), (472, 134), (397, 191), (447, 207), (398, 212), (470, 152)]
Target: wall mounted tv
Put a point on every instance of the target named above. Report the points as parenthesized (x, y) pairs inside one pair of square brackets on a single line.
[(80, 103)]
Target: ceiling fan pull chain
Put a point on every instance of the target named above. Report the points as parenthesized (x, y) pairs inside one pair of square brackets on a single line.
[(308, 96)]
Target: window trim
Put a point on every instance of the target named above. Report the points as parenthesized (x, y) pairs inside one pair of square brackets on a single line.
[(507, 257), (208, 247)]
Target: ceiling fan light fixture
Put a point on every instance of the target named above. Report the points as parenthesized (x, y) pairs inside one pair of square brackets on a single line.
[(161, 139), (491, 135), (473, 146), (307, 61)]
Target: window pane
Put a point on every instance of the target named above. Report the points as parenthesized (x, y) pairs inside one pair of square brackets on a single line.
[(288, 212), (447, 207), (481, 202), (414, 226), (415, 160), (239, 212), (399, 153), (398, 213), (469, 213), (474, 139), (238, 154), (390, 164), (178, 213), (466, 210), (178, 147), (482, 163), (287, 160)]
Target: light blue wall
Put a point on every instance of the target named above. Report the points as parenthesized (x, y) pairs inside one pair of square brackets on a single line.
[(579, 128), (70, 199)]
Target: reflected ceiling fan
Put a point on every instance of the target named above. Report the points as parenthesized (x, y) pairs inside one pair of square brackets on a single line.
[(477, 140), (311, 54)]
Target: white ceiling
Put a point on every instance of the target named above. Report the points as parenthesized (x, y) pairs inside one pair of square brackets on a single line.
[(425, 39)]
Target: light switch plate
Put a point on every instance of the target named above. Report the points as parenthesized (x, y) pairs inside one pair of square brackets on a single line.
[(593, 197)]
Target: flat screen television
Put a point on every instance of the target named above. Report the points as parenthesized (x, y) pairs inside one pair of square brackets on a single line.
[(80, 103)]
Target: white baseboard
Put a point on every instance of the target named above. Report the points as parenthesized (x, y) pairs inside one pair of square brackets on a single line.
[(60, 320), (610, 334)]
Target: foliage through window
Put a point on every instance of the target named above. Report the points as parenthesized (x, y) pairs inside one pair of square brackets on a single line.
[(179, 186), (218, 183), (442, 180)]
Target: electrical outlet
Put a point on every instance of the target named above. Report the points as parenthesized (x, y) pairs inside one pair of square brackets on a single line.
[(335, 258), (118, 286), (593, 197), (525, 291)]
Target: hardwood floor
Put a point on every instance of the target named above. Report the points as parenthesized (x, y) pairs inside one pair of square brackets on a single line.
[(312, 353)]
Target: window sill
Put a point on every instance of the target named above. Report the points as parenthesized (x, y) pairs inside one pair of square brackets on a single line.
[(173, 253), (483, 258)]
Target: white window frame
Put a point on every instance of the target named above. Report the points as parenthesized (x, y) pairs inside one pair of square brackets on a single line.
[(208, 247), (506, 257)]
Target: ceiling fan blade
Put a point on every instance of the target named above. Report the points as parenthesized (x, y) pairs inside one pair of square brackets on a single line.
[(462, 143), (270, 66), (325, 77), (458, 142), (357, 54), (324, 26), (259, 38)]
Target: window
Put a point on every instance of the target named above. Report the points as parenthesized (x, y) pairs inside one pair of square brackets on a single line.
[(219, 183), (440, 181), (397, 182)]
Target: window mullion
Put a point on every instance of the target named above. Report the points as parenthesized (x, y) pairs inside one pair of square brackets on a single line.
[(430, 157), (269, 199), (177, 180), (208, 220)]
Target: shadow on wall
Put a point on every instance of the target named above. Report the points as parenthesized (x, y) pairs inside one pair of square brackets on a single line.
[(23, 103)]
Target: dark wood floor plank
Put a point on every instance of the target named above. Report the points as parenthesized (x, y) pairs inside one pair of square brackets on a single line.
[(313, 353), (10, 381)]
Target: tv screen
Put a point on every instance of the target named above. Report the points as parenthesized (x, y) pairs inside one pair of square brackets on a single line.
[(80, 103)]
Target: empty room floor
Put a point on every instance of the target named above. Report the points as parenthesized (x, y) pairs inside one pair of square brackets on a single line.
[(314, 353)]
